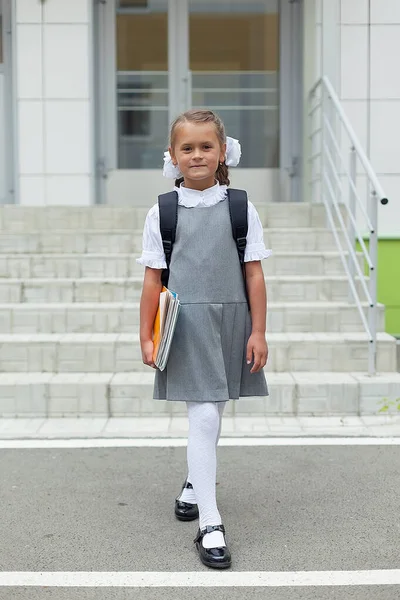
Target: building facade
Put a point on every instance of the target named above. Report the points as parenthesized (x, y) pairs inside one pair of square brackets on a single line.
[(88, 89)]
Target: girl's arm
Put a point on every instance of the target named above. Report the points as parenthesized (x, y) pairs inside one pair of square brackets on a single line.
[(257, 345), (148, 308)]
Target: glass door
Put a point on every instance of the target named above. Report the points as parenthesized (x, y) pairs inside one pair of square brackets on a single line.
[(160, 57), (133, 99), (142, 82), (234, 64)]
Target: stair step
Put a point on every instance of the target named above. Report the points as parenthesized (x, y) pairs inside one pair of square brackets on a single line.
[(121, 241), (70, 286), (130, 395), (23, 219), (280, 288), (118, 317), (30, 265), (100, 353)]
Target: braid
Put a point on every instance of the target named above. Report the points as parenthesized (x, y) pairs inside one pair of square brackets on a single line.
[(222, 174)]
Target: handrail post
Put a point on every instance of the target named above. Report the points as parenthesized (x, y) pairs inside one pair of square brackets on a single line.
[(373, 252), (352, 211)]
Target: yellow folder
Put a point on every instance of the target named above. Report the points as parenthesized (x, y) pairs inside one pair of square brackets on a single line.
[(158, 325), (164, 326)]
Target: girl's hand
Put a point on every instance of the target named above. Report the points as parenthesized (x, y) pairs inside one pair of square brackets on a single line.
[(147, 353), (257, 347)]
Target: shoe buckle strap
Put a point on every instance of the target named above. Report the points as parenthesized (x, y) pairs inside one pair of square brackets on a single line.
[(208, 529)]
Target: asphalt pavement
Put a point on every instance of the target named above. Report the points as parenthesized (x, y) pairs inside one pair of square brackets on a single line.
[(285, 508)]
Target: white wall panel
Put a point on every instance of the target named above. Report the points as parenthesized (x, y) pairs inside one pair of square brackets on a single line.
[(385, 136), (31, 190), (354, 61), (3, 178), (389, 215), (370, 93), (385, 11), (354, 11), (356, 112), (318, 51), (67, 138), (362, 191), (29, 61), (66, 61), (72, 190), (388, 223), (30, 130), (318, 11), (331, 33), (385, 53), (66, 11), (29, 11)]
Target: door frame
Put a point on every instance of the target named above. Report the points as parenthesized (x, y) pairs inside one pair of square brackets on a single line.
[(291, 99), (105, 95), (179, 81), (179, 78)]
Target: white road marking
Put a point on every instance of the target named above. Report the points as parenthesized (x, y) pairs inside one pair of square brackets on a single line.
[(182, 442), (146, 579)]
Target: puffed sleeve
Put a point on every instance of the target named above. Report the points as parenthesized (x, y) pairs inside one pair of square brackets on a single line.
[(255, 248), (153, 252)]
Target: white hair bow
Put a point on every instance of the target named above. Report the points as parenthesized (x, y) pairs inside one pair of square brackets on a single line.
[(232, 158), (233, 152)]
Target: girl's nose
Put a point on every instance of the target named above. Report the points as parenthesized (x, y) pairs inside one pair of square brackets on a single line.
[(198, 153)]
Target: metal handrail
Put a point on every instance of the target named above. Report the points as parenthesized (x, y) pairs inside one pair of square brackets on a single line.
[(330, 175)]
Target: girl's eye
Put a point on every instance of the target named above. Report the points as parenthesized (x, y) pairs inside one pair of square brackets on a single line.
[(186, 149), (207, 146)]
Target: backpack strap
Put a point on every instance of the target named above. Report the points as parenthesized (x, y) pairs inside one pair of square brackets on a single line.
[(238, 213), (238, 206), (168, 209)]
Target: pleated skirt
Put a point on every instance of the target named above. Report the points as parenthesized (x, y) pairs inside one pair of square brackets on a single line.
[(207, 362)]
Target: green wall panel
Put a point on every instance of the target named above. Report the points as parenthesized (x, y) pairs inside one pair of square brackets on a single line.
[(389, 282)]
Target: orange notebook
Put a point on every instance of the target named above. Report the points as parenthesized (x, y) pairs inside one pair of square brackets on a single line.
[(159, 322), (164, 326)]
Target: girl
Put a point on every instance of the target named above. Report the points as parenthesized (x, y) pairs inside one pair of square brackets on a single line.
[(219, 349)]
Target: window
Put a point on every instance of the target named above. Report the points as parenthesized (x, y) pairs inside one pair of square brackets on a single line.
[(234, 60), (142, 83)]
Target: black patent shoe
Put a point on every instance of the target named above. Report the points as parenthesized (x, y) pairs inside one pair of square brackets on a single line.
[(184, 511), (217, 558)]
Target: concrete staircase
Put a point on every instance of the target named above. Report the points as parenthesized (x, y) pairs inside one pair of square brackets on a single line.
[(69, 319)]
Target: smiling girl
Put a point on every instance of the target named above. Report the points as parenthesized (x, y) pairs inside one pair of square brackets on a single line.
[(219, 347)]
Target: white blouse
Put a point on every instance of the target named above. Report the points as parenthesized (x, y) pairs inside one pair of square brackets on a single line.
[(153, 251)]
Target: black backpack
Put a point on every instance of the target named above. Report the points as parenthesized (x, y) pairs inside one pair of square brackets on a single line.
[(168, 207)]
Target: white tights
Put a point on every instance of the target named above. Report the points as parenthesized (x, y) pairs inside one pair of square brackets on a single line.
[(205, 419)]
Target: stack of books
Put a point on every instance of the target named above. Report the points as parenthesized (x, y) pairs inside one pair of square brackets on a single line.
[(164, 326)]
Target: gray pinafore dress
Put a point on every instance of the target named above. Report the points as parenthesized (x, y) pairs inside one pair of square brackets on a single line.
[(207, 361)]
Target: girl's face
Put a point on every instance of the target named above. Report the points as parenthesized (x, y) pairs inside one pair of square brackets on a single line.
[(197, 152)]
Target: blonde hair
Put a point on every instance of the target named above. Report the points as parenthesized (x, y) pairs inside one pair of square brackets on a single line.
[(200, 115)]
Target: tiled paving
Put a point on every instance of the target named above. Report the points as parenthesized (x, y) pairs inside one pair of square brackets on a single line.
[(176, 427)]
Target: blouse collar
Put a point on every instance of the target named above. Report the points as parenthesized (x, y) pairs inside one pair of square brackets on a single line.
[(191, 198)]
